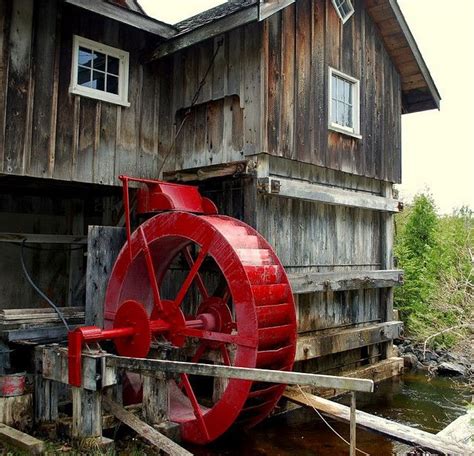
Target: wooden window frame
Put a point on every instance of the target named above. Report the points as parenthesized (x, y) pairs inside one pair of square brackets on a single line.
[(346, 18), (355, 85), (123, 76)]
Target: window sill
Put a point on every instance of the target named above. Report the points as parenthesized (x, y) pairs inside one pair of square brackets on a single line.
[(344, 131), (99, 97)]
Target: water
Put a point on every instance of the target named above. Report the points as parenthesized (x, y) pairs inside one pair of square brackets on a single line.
[(415, 400)]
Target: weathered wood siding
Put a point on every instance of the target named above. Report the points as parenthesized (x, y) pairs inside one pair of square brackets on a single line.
[(226, 120), (301, 42), (47, 132)]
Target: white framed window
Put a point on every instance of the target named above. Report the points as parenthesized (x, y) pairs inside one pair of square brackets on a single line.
[(344, 9), (344, 103), (99, 71)]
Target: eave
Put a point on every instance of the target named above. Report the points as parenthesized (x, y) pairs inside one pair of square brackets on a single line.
[(126, 16), (419, 92)]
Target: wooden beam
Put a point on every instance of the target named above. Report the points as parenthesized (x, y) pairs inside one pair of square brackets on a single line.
[(143, 429), (258, 375), (46, 334), (270, 7), (328, 342), (42, 238), (207, 172), (18, 439), (302, 282), (95, 373), (126, 16), (292, 188), (205, 32), (379, 371), (461, 430), (396, 431)]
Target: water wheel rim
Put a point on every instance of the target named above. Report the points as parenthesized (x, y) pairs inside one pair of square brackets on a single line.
[(127, 281)]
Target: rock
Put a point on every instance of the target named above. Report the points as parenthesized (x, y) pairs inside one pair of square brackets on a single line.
[(410, 361), (431, 356), (450, 369)]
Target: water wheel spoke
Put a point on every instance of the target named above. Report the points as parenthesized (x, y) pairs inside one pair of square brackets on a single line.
[(193, 271), (214, 336), (151, 270), (226, 295), (200, 283), (225, 355), (196, 408), (199, 352)]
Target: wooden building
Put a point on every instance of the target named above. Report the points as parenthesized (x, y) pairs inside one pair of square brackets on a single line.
[(286, 113)]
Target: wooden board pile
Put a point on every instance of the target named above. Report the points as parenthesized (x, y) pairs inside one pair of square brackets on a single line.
[(24, 318)]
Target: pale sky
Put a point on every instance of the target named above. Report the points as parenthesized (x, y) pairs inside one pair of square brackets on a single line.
[(438, 147)]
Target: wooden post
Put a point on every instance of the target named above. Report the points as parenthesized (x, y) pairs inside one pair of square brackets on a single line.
[(353, 424), (86, 414), (155, 398), (104, 244), (46, 392), (386, 294)]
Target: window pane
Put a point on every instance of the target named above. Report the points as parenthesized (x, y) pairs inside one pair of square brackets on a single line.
[(340, 113), (99, 61), (333, 110), (350, 122), (112, 65), (85, 57), (112, 84), (84, 76), (340, 91), (98, 81), (347, 90)]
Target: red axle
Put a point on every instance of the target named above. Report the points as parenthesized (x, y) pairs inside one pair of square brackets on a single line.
[(131, 335)]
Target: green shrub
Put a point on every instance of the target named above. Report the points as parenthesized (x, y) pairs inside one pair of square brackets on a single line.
[(436, 254)]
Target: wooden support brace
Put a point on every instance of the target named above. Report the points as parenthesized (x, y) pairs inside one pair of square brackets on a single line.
[(145, 430)]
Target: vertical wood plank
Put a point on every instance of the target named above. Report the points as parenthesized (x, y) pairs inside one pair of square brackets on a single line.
[(274, 87), (45, 75), (287, 136), (19, 90), (104, 244), (5, 20), (319, 82), (303, 81)]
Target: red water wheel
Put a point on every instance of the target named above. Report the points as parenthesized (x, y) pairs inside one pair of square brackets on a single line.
[(221, 291)]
